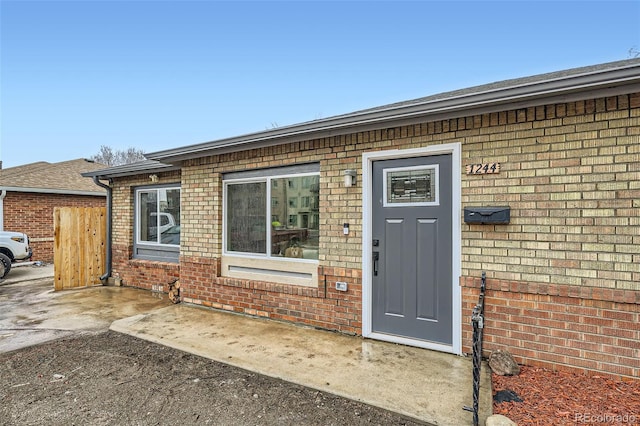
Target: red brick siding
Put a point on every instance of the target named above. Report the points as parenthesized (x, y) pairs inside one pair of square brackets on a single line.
[(322, 306), (586, 330), (146, 274), (32, 213)]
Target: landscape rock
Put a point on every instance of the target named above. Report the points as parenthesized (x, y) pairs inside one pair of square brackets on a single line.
[(503, 364), (506, 395), (499, 420)]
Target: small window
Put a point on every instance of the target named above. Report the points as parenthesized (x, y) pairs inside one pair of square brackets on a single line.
[(411, 186), (157, 223)]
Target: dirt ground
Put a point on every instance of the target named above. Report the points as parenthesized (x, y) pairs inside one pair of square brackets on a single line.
[(108, 378)]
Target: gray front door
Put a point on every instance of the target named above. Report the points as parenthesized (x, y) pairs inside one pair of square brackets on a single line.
[(412, 240)]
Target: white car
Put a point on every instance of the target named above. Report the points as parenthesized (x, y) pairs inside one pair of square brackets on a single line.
[(166, 220), (14, 246)]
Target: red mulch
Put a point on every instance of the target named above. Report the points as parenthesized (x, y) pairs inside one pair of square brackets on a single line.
[(561, 398)]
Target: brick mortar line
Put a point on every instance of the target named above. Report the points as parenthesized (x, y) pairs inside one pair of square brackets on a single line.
[(562, 290)]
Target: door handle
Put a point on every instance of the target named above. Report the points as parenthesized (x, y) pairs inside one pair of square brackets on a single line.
[(376, 257)]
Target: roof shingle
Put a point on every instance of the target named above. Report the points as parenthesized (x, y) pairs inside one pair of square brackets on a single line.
[(63, 177)]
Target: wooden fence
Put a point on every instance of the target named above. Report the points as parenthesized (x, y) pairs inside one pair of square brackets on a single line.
[(79, 246)]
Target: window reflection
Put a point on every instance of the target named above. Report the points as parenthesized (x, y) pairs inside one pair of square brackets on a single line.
[(295, 217), (148, 208), (159, 216), (246, 217)]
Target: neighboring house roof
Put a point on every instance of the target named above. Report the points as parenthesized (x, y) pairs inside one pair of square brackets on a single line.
[(4, 173), (52, 178), (610, 79)]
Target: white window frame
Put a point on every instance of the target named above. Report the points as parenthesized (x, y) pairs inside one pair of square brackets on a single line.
[(137, 228), (267, 180)]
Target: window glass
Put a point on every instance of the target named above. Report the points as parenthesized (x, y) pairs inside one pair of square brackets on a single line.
[(247, 217), (411, 186), (148, 210), (159, 216), (299, 238), (169, 215), (293, 226)]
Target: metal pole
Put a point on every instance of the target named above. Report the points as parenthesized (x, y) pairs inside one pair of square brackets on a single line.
[(477, 321)]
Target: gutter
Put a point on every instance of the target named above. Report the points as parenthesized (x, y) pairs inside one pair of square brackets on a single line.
[(107, 274)]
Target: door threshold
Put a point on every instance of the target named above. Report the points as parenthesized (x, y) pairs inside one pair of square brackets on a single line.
[(424, 344)]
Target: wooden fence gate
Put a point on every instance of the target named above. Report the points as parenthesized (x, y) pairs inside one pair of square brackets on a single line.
[(79, 246)]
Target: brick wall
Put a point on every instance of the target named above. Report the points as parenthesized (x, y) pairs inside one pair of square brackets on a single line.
[(322, 306), (32, 213), (145, 274), (564, 275), (571, 175), (559, 326)]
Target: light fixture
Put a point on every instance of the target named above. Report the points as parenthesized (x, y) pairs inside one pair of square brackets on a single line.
[(349, 178), (154, 178)]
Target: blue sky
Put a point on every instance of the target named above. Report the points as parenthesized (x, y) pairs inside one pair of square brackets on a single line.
[(163, 74)]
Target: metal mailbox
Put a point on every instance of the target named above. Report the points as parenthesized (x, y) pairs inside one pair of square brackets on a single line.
[(489, 215)]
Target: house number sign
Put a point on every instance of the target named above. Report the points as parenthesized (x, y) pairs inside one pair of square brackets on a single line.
[(482, 169)]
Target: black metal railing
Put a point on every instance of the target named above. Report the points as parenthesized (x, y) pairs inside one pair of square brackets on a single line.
[(477, 321)]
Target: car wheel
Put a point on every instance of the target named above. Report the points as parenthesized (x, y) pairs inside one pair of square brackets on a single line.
[(6, 262)]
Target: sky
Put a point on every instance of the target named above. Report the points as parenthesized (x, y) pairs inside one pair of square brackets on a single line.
[(162, 74)]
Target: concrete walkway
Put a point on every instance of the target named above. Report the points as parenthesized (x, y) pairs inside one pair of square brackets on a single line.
[(32, 312), (28, 271), (424, 385)]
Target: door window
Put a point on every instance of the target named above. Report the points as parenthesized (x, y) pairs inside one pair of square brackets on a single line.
[(411, 186)]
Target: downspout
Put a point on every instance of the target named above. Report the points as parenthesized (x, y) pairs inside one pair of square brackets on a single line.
[(2, 195), (107, 274)]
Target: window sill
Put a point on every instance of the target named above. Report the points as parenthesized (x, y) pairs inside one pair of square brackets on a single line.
[(278, 271)]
